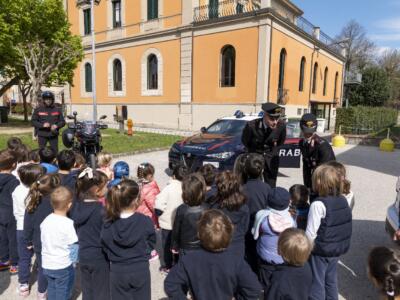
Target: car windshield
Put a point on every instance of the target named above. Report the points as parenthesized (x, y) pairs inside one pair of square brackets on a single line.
[(293, 129), (227, 127)]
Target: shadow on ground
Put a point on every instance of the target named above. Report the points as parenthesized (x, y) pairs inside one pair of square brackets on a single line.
[(352, 269), (5, 281), (369, 157)]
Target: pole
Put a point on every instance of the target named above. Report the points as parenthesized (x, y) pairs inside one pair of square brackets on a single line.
[(93, 62)]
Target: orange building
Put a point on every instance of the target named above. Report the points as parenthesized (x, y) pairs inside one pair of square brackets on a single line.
[(184, 63)]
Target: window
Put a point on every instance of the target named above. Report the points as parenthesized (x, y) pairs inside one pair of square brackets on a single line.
[(282, 61), (302, 68), (116, 8), (335, 87), (314, 82), (87, 21), (88, 78), (325, 80), (213, 9), (152, 72), (228, 57), (299, 110), (152, 9), (117, 75)]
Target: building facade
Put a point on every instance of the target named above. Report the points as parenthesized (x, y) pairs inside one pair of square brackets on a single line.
[(184, 63)]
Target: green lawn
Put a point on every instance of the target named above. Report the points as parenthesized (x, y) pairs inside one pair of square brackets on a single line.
[(13, 122), (113, 142)]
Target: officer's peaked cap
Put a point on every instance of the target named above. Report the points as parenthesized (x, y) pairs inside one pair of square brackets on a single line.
[(308, 123), (272, 109)]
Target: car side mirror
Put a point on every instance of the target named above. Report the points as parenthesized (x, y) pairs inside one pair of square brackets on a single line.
[(103, 117), (203, 130)]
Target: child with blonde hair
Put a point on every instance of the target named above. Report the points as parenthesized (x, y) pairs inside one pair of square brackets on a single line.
[(104, 160)]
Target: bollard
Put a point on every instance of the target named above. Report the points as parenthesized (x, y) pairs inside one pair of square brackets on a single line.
[(339, 140), (387, 144), (129, 123)]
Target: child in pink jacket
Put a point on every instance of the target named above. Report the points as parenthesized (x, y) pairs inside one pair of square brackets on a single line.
[(148, 191)]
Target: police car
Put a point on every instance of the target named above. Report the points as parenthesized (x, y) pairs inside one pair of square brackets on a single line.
[(221, 143)]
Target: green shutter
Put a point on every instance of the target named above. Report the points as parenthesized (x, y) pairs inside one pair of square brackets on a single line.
[(213, 9), (152, 9), (87, 21), (88, 78)]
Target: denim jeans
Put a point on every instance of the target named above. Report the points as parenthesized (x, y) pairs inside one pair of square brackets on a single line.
[(25, 257), (42, 280), (324, 284), (8, 241), (60, 283)]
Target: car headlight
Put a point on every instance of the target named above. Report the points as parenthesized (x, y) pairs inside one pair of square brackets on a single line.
[(221, 155)]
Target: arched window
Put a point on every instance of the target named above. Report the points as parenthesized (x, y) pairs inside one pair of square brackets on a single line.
[(228, 57), (117, 75), (152, 72), (302, 68), (314, 82), (282, 61), (335, 87), (88, 78), (325, 80), (152, 9)]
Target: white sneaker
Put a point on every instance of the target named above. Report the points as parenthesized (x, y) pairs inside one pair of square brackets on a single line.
[(42, 296), (153, 255), (23, 290)]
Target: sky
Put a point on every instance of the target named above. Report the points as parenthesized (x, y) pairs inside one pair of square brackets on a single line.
[(381, 19)]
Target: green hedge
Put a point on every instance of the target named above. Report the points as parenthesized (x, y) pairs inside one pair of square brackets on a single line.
[(364, 119), (19, 109)]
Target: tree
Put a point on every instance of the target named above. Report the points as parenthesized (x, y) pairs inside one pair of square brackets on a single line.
[(359, 49), (390, 62), (39, 42), (374, 89)]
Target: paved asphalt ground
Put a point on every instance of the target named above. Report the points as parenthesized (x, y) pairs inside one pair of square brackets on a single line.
[(373, 175)]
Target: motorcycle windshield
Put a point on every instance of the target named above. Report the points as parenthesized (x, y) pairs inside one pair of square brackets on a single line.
[(89, 128)]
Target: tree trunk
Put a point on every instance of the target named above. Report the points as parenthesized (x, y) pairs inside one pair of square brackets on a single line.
[(25, 107), (8, 85)]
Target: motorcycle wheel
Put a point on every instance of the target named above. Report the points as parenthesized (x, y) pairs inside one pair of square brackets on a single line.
[(92, 161)]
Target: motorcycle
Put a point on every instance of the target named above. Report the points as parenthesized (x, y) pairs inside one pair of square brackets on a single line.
[(84, 137)]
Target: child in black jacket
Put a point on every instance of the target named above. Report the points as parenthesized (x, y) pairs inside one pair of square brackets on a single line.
[(8, 225), (291, 280), (211, 272), (38, 208), (66, 161), (184, 231), (88, 215), (128, 239)]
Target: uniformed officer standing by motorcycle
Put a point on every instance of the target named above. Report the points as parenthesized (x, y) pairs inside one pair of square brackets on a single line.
[(314, 149), (48, 120), (264, 136)]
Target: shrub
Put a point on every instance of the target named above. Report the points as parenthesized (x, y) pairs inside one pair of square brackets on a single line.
[(364, 120), (19, 109)]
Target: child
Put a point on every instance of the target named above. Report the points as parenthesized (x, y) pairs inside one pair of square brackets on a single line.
[(209, 172), (384, 271), (14, 143), (28, 175), (291, 280), (34, 156), (166, 204), (148, 191), (256, 192), (58, 237), (184, 233), (88, 214), (238, 167), (22, 156), (299, 204), (104, 164), (329, 225), (232, 202), (66, 161), (8, 236), (268, 225), (347, 193), (212, 272), (121, 171), (38, 208), (80, 163), (127, 239), (48, 159)]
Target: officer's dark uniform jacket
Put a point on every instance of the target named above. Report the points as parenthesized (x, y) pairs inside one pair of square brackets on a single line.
[(334, 233), (313, 156), (256, 138), (52, 115)]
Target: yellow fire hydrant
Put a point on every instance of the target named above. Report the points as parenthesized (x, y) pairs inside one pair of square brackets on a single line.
[(129, 123), (387, 144)]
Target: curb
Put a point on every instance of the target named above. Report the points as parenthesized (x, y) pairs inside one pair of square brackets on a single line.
[(117, 155)]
